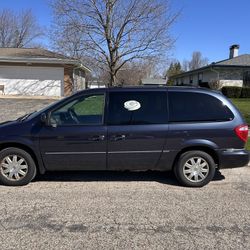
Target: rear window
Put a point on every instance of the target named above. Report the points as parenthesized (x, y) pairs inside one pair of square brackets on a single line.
[(134, 108), (189, 107)]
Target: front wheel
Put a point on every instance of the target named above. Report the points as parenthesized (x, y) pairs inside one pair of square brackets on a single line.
[(195, 169), (17, 167)]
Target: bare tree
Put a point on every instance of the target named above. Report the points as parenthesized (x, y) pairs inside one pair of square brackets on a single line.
[(18, 30), (133, 72), (185, 65), (67, 41), (197, 61), (113, 33)]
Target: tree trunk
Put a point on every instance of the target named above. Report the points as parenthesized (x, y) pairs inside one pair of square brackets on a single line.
[(112, 81)]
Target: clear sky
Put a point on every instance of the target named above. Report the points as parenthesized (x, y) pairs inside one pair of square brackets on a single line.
[(39, 7), (209, 26)]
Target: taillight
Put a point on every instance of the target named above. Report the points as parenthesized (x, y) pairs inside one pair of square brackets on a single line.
[(242, 132)]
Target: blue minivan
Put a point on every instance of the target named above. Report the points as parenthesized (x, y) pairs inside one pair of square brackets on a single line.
[(191, 131)]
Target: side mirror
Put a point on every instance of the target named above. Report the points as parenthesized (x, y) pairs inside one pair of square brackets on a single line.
[(43, 118)]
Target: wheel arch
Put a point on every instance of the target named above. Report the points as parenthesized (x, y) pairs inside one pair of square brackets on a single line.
[(26, 148), (205, 149)]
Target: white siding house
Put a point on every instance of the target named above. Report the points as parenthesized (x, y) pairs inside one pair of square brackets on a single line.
[(39, 72), (26, 80), (154, 82), (234, 71)]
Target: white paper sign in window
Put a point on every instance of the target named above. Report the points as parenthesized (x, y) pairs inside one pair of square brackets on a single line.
[(132, 105)]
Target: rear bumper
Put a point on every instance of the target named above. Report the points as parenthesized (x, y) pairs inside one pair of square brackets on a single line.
[(233, 158)]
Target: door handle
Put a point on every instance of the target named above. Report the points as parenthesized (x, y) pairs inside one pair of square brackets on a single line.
[(118, 137), (97, 138)]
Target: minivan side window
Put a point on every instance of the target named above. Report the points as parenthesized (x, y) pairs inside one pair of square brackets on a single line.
[(87, 110), (189, 107), (137, 108)]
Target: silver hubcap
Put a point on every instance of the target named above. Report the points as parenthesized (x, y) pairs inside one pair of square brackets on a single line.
[(196, 169), (14, 167)]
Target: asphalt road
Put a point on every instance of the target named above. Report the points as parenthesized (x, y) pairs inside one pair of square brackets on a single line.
[(108, 210), (97, 210)]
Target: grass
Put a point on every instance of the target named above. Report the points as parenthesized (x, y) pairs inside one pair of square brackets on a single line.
[(243, 104), (248, 144)]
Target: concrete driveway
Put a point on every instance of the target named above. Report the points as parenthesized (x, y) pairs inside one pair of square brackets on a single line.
[(100, 210), (12, 108)]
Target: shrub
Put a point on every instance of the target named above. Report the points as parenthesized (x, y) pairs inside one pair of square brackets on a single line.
[(245, 93), (215, 84), (231, 92)]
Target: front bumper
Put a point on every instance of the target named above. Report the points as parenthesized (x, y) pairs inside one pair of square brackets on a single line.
[(233, 158)]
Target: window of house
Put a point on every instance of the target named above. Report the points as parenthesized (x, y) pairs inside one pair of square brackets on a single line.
[(135, 108), (191, 79), (200, 77), (190, 107), (87, 110)]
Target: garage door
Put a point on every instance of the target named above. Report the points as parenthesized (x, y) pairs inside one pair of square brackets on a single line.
[(27, 80)]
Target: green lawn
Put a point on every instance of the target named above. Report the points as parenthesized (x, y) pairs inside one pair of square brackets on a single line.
[(243, 104), (248, 145)]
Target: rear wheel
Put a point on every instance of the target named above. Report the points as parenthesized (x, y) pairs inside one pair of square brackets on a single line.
[(195, 169), (17, 168)]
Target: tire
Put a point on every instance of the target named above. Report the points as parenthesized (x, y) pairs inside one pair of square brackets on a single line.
[(17, 167), (194, 169)]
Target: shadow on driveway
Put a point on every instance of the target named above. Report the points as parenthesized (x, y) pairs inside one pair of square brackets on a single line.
[(126, 176)]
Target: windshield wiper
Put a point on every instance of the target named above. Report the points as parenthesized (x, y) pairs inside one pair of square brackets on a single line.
[(24, 117)]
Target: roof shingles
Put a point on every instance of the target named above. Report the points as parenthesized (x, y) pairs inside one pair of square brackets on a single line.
[(30, 53), (238, 61), (242, 60)]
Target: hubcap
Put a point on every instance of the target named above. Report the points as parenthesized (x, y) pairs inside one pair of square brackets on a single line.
[(14, 167), (196, 169)]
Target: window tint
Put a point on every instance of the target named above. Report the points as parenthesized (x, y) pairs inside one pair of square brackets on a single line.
[(133, 108), (184, 106), (87, 110)]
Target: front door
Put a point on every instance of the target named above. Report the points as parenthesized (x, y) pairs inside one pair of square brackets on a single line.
[(76, 139), (137, 129)]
